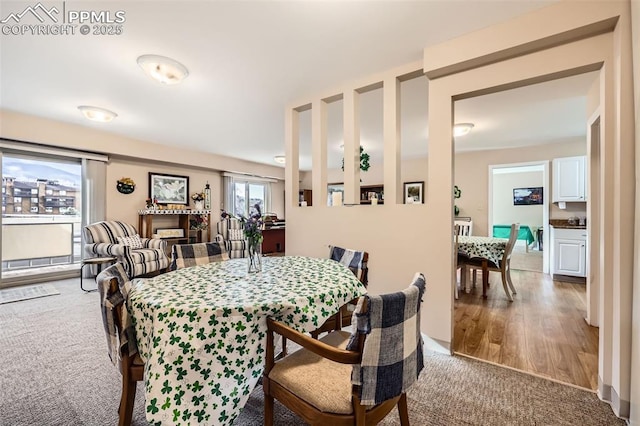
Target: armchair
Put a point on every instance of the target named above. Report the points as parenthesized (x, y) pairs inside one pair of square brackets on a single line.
[(231, 236), (139, 256)]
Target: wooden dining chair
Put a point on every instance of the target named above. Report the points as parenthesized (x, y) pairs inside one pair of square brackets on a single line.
[(113, 284), (504, 265), (316, 382), (187, 255), (357, 261), (464, 227)]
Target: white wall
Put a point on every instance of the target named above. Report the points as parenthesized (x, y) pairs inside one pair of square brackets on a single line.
[(635, 368)]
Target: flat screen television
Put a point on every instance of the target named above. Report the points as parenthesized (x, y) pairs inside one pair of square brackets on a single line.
[(527, 196)]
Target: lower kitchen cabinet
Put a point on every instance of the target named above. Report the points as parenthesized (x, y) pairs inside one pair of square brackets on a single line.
[(569, 252)]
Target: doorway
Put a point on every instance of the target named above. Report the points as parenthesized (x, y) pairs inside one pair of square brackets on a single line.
[(543, 331)]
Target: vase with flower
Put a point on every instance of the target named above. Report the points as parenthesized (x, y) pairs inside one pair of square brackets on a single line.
[(252, 229), (198, 200)]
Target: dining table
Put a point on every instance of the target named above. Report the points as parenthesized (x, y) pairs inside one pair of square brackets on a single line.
[(201, 331), (485, 250)]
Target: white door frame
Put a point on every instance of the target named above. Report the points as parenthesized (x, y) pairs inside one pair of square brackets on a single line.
[(545, 203)]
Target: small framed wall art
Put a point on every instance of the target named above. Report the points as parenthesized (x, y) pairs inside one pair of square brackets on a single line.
[(413, 192)]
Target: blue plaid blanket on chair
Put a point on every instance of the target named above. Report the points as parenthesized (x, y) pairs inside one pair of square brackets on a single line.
[(392, 356), (109, 302)]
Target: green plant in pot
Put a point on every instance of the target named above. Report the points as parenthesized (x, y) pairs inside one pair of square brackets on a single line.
[(456, 194)]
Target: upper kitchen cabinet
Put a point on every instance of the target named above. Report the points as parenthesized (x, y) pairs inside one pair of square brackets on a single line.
[(569, 177)]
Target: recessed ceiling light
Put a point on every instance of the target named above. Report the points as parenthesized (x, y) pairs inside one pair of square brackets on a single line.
[(163, 69), (97, 114), (280, 159), (462, 129)]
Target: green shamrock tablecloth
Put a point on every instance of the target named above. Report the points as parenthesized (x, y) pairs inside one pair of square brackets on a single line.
[(487, 247), (202, 330)]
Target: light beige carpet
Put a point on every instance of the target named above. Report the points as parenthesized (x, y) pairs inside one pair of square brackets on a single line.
[(531, 261)]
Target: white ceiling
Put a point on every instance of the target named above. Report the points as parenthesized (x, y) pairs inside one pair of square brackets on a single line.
[(248, 59)]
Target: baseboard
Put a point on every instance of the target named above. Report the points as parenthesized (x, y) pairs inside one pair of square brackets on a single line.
[(607, 393), (435, 345), (621, 408), (604, 391), (569, 279)]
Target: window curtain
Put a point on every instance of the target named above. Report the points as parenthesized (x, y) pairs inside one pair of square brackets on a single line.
[(94, 194)]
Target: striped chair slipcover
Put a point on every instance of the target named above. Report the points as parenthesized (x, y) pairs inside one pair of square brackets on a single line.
[(236, 247), (186, 255), (101, 239)]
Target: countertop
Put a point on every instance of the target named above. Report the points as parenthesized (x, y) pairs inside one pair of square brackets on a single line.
[(564, 224)]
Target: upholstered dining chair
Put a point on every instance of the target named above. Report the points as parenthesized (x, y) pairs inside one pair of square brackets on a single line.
[(231, 236), (140, 256), (357, 261), (503, 266), (355, 379), (114, 286), (187, 255)]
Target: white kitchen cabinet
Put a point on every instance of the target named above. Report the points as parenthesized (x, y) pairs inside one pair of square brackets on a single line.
[(569, 178), (569, 252)]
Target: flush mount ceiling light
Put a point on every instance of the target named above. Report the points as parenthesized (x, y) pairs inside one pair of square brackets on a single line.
[(97, 114), (280, 159), (163, 69), (462, 129)]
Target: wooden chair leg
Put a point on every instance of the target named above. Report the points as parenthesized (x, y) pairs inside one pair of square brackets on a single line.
[(504, 284), (513, 289), (403, 410), (126, 402), (268, 410)]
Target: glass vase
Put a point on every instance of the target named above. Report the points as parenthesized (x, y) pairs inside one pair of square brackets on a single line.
[(255, 257)]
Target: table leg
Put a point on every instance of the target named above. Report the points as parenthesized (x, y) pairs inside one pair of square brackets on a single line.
[(485, 277), (81, 274)]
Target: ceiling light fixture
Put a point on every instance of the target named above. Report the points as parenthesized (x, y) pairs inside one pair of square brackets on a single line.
[(163, 69), (462, 129), (97, 114), (281, 159)]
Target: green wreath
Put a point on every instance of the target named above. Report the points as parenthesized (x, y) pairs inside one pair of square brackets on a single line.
[(456, 194), (364, 160)]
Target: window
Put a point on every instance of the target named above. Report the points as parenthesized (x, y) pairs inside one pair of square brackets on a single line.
[(17, 209), (34, 209), (17, 200), (48, 209), (17, 191), (34, 200), (247, 195), (243, 194), (63, 192), (49, 192), (34, 191)]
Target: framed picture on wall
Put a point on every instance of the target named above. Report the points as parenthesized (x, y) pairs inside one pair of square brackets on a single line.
[(168, 189), (527, 196), (413, 192)]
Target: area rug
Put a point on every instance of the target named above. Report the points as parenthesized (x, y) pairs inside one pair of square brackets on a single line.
[(24, 293)]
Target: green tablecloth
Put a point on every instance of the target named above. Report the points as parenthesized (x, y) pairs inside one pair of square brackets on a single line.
[(503, 231), (202, 330)]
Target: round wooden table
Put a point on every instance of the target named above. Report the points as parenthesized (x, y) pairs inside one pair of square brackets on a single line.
[(101, 261)]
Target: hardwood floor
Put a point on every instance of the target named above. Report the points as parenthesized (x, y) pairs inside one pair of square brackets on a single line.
[(542, 332)]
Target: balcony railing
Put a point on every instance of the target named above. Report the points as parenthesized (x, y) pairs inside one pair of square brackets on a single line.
[(34, 242)]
